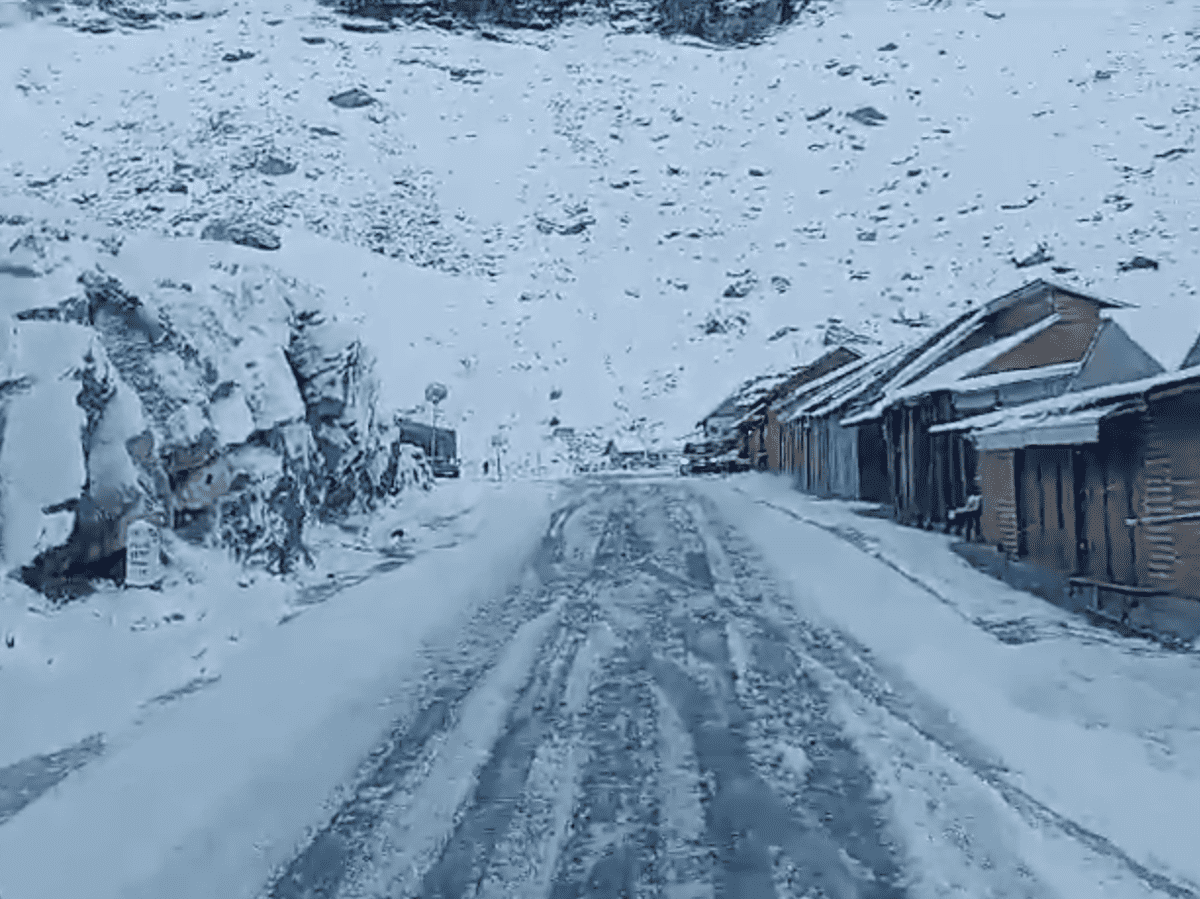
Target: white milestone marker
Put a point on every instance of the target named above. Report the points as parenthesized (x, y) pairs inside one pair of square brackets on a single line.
[(143, 562)]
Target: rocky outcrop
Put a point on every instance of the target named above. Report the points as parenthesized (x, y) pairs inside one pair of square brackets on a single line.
[(245, 233), (718, 21), (231, 412)]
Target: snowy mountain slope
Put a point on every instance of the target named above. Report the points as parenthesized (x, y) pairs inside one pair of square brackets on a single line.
[(627, 219)]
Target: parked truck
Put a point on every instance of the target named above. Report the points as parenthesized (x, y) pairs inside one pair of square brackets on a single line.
[(440, 445)]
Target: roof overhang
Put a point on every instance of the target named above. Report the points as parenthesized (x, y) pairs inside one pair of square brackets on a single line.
[(865, 416), (1076, 429)]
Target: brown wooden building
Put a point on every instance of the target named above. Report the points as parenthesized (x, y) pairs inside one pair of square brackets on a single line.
[(1038, 341), (758, 426), (780, 445), (1103, 485), (827, 458)]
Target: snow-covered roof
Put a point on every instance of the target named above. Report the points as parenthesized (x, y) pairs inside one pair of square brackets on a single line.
[(746, 392), (844, 391), (626, 445), (1017, 376), (864, 415), (925, 356), (753, 406), (957, 372), (1041, 285), (905, 382), (1056, 430), (753, 390), (1058, 409), (802, 392)]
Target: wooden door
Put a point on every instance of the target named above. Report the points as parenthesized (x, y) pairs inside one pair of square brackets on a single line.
[(1049, 507)]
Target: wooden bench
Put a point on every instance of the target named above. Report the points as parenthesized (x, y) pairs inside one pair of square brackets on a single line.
[(1092, 587)]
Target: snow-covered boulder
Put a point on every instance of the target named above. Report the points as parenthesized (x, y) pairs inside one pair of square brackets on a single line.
[(269, 386), (226, 406), (42, 463), (336, 374), (70, 487), (208, 364)]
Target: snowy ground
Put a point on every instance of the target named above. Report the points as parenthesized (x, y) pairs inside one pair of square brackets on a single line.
[(1064, 718), (605, 230), (206, 680), (626, 219), (692, 688)]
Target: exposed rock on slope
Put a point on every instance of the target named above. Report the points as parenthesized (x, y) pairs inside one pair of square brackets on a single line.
[(719, 21), (231, 412)]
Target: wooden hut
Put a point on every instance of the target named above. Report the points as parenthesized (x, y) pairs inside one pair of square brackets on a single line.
[(758, 426), (1038, 341), (626, 452), (822, 455), (720, 423), (781, 444), (1103, 485)]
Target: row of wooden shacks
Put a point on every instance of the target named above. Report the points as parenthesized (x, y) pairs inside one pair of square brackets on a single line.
[(1085, 452)]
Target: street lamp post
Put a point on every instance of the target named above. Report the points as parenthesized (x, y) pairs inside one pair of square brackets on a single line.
[(434, 394), (498, 444)]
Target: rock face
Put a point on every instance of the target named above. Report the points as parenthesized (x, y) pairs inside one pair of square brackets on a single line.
[(352, 99), (231, 412), (718, 21), (246, 234)]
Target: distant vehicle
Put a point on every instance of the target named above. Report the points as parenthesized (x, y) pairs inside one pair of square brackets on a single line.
[(440, 445), (713, 457)]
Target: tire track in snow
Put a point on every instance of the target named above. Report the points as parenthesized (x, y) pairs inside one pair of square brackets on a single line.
[(766, 841), (527, 857), (850, 661), (334, 858), (501, 783), (25, 781), (753, 839), (418, 823), (611, 848), (662, 731)]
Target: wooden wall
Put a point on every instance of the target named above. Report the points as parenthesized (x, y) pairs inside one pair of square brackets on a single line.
[(828, 466), (1064, 341), (773, 438), (920, 464), (1075, 505), (1168, 552), (873, 481), (998, 516)]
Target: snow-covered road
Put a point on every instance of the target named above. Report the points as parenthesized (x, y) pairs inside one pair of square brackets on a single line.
[(652, 716)]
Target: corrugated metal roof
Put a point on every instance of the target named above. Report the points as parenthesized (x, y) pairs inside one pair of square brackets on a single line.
[(917, 358), (1053, 430), (1017, 376), (1069, 403), (923, 362)]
